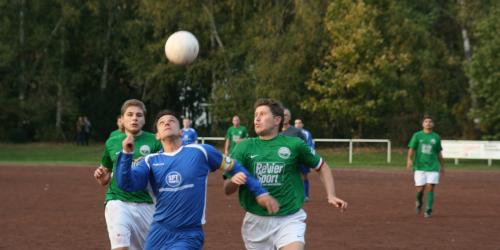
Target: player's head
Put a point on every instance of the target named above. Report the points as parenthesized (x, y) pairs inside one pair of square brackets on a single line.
[(268, 117), (287, 116), (167, 125), (427, 122), (236, 121), (299, 124), (186, 122), (133, 114), (119, 123)]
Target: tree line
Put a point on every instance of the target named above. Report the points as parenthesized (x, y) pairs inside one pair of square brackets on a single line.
[(348, 68)]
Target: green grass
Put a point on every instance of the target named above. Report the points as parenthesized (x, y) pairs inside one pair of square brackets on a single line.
[(377, 158), (50, 153), (58, 154)]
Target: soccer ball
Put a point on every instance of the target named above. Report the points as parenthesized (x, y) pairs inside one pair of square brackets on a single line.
[(181, 48)]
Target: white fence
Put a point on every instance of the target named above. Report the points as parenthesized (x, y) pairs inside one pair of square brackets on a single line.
[(487, 150), (350, 141)]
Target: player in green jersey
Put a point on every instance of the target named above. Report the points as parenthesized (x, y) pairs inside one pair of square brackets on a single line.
[(274, 159), (426, 160), (128, 215), (119, 126), (234, 135)]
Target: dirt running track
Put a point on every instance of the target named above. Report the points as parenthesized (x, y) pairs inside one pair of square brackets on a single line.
[(61, 208)]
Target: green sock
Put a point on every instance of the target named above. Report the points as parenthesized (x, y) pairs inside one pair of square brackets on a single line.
[(430, 199), (420, 195)]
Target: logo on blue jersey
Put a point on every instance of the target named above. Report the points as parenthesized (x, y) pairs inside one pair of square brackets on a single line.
[(173, 179)]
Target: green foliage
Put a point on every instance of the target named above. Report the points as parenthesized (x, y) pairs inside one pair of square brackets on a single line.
[(347, 68), (484, 69)]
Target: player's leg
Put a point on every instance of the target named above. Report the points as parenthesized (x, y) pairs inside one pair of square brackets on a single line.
[(118, 221), (257, 231), (142, 216), (420, 182), (432, 179), (291, 235)]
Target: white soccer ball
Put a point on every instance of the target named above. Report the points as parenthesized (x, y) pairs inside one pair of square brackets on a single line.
[(181, 48)]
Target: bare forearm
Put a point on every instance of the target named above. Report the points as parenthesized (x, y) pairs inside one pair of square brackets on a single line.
[(327, 179), (230, 187)]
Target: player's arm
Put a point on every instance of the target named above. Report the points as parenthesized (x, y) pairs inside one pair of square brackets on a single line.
[(130, 179), (441, 161), (409, 159), (231, 184), (102, 174), (329, 184), (218, 161), (226, 147)]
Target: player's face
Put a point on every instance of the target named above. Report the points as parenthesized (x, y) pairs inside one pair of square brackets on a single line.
[(236, 121), (299, 124), (168, 127), (133, 119), (287, 116), (265, 122), (427, 124)]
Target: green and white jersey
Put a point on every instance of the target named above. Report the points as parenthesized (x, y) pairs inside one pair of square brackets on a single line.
[(427, 147), (276, 163), (234, 134), (144, 144)]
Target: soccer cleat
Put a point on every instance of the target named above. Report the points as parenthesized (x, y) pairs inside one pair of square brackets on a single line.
[(418, 207), (428, 213)]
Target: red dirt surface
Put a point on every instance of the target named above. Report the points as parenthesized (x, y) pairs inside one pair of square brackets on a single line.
[(62, 208)]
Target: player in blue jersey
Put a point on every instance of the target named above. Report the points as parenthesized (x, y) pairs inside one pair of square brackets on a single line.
[(303, 169), (178, 177), (189, 135)]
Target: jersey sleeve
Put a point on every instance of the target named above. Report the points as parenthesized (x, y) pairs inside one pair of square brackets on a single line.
[(228, 134), (413, 144), (308, 156), (106, 158), (128, 178)]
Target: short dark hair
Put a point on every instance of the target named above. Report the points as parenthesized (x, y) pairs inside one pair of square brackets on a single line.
[(164, 113), (427, 116), (276, 108)]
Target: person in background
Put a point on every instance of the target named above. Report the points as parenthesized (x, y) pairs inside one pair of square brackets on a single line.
[(189, 135), (234, 135)]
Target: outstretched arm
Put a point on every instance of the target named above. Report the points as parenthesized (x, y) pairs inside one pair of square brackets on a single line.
[(130, 179), (329, 184)]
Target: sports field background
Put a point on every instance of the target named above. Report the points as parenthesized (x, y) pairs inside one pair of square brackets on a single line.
[(51, 201)]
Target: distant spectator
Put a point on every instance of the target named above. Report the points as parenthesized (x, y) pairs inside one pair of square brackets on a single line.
[(303, 169), (86, 130), (189, 135), (80, 130)]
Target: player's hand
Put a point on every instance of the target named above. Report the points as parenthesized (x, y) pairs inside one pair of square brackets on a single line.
[(239, 179), (338, 203), (268, 202), (102, 175), (128, 144)]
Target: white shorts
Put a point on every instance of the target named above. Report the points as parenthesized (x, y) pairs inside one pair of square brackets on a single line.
[(273, 232), (426, 177), (128, 223)]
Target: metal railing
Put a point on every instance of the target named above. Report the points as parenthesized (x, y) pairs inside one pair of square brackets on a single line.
[(350, 141)]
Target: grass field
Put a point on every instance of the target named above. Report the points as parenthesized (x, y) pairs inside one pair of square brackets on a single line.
[(363, 157)]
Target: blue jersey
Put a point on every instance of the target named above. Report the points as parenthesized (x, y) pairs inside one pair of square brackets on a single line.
[(308, 137), (189, 136), (179, 182)]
